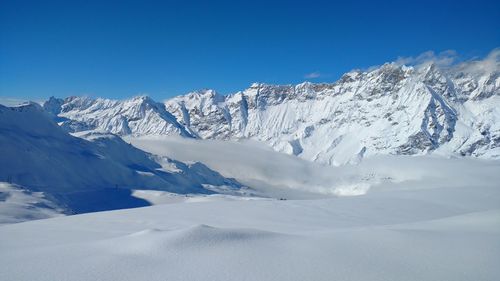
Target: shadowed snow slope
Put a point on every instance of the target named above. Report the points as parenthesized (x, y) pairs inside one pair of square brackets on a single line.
[(92, 172), (434, 233), (18, 204)]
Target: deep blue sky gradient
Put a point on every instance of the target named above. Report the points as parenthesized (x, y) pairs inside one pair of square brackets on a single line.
[(118, 49)]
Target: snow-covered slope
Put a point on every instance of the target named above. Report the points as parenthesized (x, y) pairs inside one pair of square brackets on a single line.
[(94, 171), (419, 218), (400, 233)]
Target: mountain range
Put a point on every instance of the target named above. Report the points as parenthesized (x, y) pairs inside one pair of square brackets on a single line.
[(392, 109)]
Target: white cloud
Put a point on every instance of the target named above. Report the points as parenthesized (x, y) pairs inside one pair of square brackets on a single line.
[(443, 59), (479, 67), (277, 174), (313, 75), (450, 60)]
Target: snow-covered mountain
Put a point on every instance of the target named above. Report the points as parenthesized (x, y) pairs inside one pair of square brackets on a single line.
[(138, 116), (89, 172), (393, 109), (390, 110)]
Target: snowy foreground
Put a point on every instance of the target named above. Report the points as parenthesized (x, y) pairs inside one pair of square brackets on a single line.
[(399, 218), (424, 234)]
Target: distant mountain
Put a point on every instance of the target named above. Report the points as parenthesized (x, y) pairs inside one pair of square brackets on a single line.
[(393, 109), (137, 116)]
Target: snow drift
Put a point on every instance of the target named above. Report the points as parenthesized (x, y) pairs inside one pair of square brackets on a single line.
[(438, 233)]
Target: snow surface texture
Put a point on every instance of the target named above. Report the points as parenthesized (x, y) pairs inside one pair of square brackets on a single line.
[(393, 109), (430, 233), (92, 172)]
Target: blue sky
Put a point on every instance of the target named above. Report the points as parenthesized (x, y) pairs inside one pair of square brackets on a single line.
[(118, 49)]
